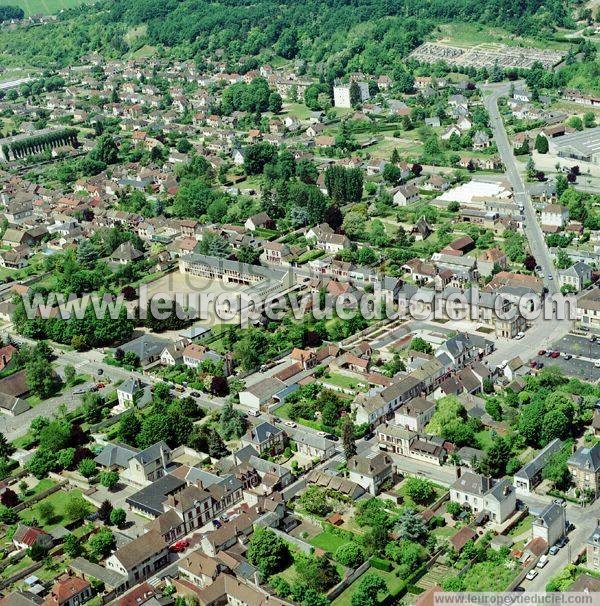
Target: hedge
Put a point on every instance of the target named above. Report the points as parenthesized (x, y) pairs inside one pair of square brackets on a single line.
[(381, 564)]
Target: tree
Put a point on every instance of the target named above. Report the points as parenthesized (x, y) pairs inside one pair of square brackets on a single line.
[(314, 500), (106, 150), (77, 508), (529, 263), (348, 439), (267, 552), (454, 509), (118, 517), (316, 573), (495, 460), (72, 546), (541, 144), (355, 94), (368, 590), (6, 448), (232, 423), (555, 424), (102, 543), (109, 479), (70, 373), (105, 510), (530, 423), (419, 344), (589, 119), (275, 102), (47, 511), (411, 526), (87, 468), (494, 408), (350, 555), (419, 490)]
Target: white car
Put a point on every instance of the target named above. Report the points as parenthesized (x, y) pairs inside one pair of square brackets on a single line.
[(542, 561), (531, 574), (291, 424), (254, 413), (519, 335), (597, 363)]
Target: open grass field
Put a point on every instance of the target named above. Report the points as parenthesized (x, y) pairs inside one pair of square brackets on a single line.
[(45, 7), (328, 541), (469, 34)]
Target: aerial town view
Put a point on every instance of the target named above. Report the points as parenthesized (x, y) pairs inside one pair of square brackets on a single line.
[(299, 302)]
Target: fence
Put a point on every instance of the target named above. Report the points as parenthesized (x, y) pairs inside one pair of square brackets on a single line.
[(338, 589), (40, 496)]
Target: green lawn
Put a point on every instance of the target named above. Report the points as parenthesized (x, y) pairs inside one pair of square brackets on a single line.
[(523, 526), (343, 381), (59, 501), (390, 578), (487, 576), (47, 7), (484, 439), (328, 541)]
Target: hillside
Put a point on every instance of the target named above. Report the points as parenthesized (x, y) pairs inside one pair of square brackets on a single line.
[(337, 36)]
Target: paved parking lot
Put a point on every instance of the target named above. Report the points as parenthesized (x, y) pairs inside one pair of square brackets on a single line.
[(584, 354)]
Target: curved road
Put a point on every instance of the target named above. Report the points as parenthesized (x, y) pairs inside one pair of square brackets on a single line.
[(543, 332)]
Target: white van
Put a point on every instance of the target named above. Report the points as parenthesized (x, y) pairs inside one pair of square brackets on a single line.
[(542, 561)]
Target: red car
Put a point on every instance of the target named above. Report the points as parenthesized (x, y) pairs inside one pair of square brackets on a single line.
[(555, 354), (541, 352), (100, 385), (533, 363), (179, 546)]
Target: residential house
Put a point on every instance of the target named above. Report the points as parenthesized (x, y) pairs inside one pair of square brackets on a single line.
[(405, 194), (141, 558), (68, 591), (314, 446), (577, 277), (481, 494), (593, 550), (265, 438), (550, 525), (257, 396), (584, 466), (133, 392), (554, 216), (588, 309), (260, 220), (371, 471), (530, 475), (415, 414), (28, 536)]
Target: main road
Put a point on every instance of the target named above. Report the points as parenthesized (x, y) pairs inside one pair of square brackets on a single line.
[(543, 331)]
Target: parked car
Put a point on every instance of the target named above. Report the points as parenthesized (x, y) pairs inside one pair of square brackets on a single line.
[(531, 574), (195, 394), (597, 364), (567, 356), (519, 335), (254, 413), (560, 501), (541, 352), (100, 385), (556, 354), (332, 437), (291, 424), (562, 542), (179, 546), (542, 561), (554, 550), (533, 364), (217, 523)]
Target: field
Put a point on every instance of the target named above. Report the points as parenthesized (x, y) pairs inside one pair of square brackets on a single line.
[(45, 7), (468, 34), (328, 541)]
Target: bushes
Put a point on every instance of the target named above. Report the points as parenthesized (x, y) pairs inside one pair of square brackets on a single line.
[(350, 555), (381, 564)]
